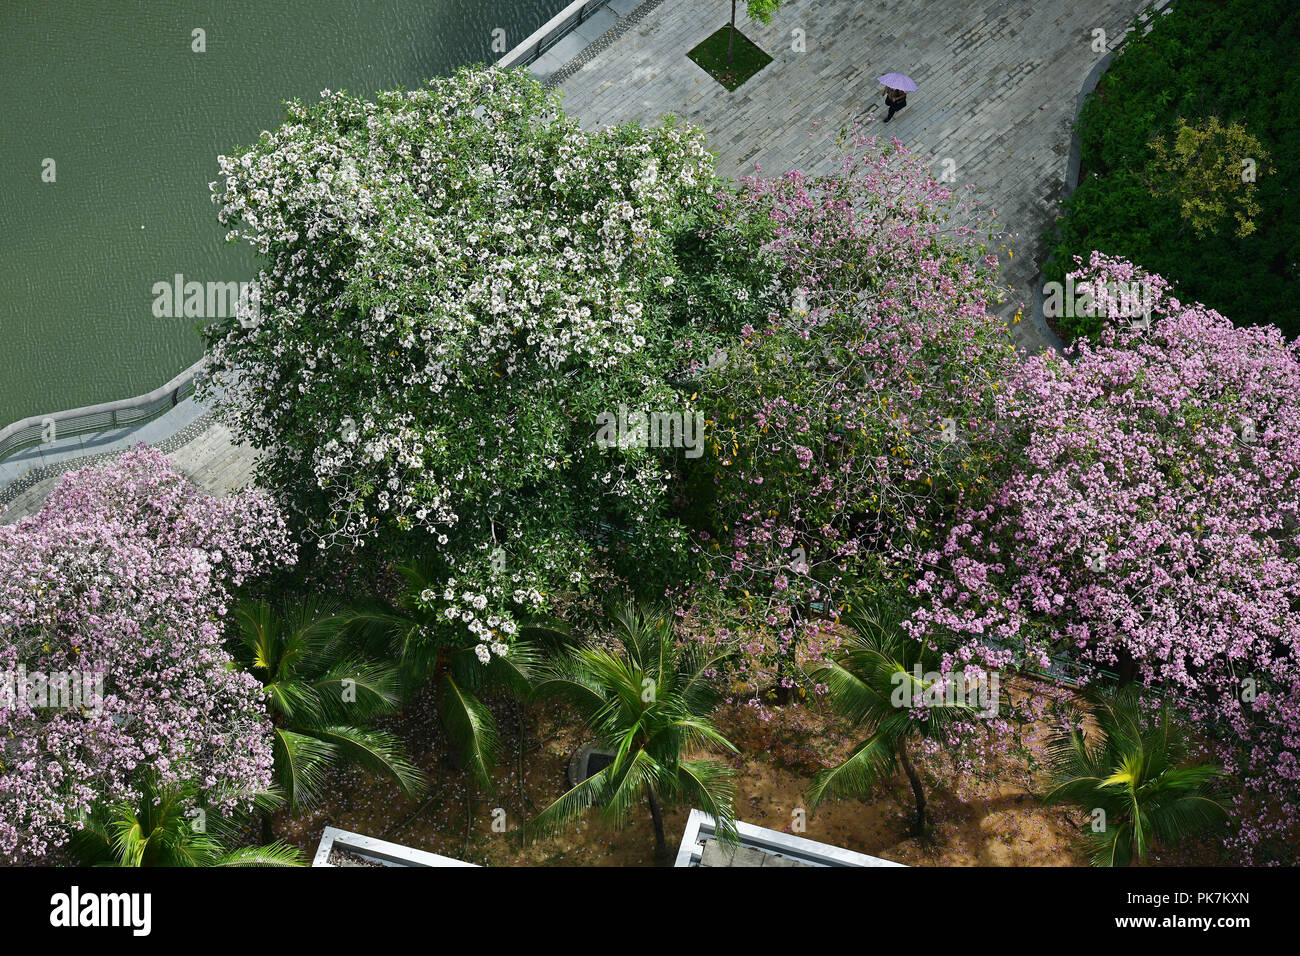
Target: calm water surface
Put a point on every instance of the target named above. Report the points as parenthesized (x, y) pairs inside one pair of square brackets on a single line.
[(134, 120)]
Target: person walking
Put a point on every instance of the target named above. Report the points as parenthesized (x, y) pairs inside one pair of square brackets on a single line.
[(897, 86), (895, 100)]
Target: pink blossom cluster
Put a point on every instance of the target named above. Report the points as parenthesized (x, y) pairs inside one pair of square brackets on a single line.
[(1150, 525), (126, 572), (846, 422)]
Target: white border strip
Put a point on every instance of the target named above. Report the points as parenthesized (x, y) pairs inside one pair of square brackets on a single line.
[(700, 827), (381, 851)]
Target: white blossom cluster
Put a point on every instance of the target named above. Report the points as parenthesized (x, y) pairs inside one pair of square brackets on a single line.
[(446, 270), (486, 613)]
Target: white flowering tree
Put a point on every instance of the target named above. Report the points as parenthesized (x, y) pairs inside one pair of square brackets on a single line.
[(459, 283)]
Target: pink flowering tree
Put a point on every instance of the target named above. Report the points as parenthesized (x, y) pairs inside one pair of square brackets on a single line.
[(1149, 526), (113, 596), (849, 420)]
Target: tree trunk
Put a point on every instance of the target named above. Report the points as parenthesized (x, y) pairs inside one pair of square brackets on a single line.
[(657, 815), (731, 39), (917, 790), (1127, 667), (519, 771)]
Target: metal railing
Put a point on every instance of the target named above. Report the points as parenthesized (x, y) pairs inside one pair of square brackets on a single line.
[(106, 416), (551, 32)]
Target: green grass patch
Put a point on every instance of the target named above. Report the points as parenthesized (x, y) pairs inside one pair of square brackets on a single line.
[(744, 61)]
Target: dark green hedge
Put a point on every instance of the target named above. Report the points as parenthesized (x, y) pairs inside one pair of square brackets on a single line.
[(1236, 59)]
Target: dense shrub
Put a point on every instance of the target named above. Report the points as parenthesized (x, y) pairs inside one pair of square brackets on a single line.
[(851, 418), (1233, 60), (459, 284)]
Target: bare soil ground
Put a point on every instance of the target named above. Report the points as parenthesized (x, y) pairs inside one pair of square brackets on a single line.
[(996, 822)]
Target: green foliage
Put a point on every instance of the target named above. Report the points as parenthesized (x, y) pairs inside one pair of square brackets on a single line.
[(845, 420), (168, 826), (729, 57), (647, 699), (1231, 59), (457, 282), (321, 696), (762, 10), (1135, 773), (409, 630), (1203, 166)]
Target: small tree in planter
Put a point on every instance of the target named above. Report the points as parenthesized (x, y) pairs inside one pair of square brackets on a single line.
[(716, 54), (760, 10)]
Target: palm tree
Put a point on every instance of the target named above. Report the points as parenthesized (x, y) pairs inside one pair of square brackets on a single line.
[(166, 827), (402, 629), (1133, 777), (321, 697), (886, 682), (646, 701)]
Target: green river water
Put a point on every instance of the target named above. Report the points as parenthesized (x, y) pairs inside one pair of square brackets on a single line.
[(134, 118)]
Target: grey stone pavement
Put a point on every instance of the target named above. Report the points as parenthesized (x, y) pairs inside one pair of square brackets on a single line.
[(998, 87)]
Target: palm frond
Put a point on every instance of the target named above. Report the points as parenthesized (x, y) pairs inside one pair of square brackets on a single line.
[(302, 764), (356, 691), (471, 727), (275, 854), (1131, 773), (629, 787), (870, 762), (571, 805), (710, 786), (517, 670), (646, 698), (377, 751)]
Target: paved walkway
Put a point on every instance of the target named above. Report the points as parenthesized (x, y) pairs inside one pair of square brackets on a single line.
[(998, 87), (199, 447)]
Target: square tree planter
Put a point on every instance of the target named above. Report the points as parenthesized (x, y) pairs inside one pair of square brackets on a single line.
[(731, 71)]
